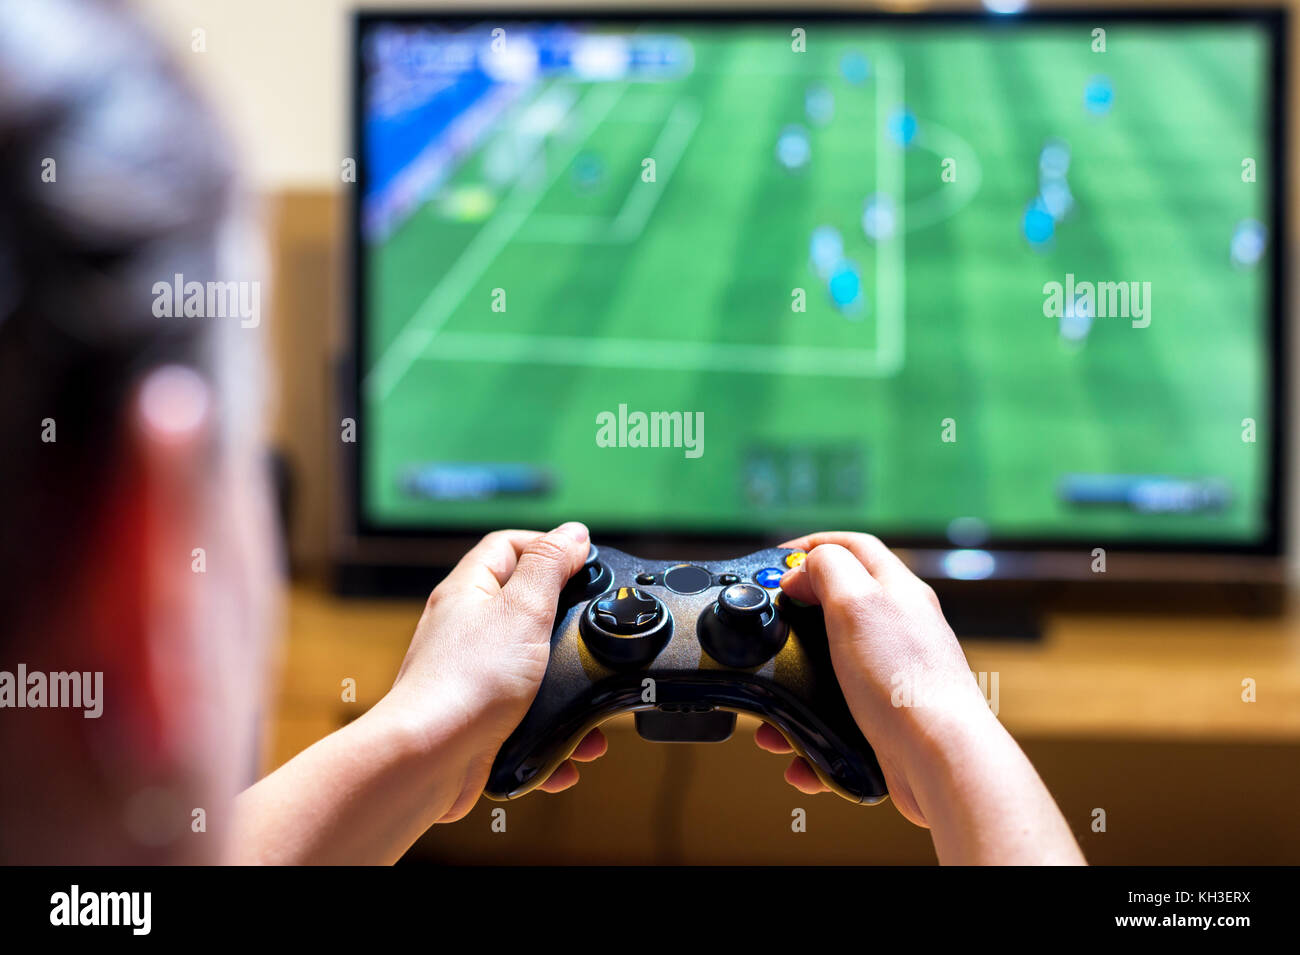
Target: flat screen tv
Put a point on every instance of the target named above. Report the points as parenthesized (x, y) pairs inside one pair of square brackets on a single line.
[(1002, 290)]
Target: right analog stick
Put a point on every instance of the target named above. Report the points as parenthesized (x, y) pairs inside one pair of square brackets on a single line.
[(742, 629)]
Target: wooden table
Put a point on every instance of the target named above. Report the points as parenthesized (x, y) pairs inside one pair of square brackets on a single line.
[(1140, 715)]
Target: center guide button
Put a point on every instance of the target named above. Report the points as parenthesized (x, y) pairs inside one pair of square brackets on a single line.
[(687, 579)]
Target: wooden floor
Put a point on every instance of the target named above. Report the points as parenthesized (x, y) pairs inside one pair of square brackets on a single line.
[(1142, 717)]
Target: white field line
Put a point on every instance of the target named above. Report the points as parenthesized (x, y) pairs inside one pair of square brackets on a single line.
[(509, 348), (887, 358), (451, 290), (949, 199), (640, 202), (667, 153)]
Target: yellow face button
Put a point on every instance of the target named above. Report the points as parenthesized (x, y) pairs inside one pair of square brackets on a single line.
[(794, 560)]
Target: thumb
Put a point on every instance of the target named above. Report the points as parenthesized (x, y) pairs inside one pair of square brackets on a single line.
[(544, 567)]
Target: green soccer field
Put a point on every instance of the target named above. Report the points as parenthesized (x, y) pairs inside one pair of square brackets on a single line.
[(514, 306)]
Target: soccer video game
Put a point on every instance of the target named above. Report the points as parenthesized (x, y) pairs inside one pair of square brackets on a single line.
[(960, 281)]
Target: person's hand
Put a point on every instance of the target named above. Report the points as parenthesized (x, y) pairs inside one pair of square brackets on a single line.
[(480, 651), (902, 671)]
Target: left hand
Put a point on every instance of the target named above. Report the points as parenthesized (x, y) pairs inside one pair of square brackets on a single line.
[(481, 648)]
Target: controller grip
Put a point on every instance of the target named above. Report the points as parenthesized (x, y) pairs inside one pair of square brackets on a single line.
[(843, 760), (833, 745), (544, 740)]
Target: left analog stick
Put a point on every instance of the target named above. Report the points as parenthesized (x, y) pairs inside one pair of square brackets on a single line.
[(592, 579), (625, 627)]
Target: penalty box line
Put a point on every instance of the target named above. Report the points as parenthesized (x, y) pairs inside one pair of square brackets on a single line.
[(446, 296), (508, 348), (884, 360)]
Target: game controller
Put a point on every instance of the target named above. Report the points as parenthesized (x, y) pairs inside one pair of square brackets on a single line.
[(687, 646)]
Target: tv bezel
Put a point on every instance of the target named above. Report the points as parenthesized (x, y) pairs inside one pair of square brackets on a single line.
[(367, 542)]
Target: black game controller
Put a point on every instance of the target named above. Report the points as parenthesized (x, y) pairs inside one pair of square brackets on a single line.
[(687, 646)]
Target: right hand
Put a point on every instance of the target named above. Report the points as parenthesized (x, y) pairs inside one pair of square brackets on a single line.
[(887, 635)]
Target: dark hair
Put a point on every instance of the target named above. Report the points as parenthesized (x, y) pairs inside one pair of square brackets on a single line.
[(114, 178)]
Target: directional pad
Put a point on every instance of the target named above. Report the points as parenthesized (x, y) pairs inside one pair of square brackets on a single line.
[(625, 627), (627, 611)]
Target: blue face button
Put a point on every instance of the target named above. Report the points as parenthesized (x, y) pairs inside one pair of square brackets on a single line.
[(769, 577)]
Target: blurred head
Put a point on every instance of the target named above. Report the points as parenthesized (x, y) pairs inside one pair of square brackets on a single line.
[(137, 534)]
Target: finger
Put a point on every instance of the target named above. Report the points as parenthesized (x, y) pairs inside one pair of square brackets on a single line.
[(769, 738), (490, 562), (565, 775), (801, 776), (593, 746), (837, 580), (795, 583), (544, 567), (829, 575), (882, 562)]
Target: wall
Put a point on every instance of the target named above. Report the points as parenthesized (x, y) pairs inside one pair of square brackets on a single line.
[(278, 67)]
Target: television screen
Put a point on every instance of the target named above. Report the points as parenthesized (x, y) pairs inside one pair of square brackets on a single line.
[(968, 279)]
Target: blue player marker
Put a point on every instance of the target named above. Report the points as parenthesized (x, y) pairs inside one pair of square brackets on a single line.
[(588, 172), (855, 68), (1056, 198), (1249, 240), (902, 126), (1054, 159), (819, 105), (825, 250), (1098, 96), (845, 286), (1038, 225), (793, 149), (879, 217)]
